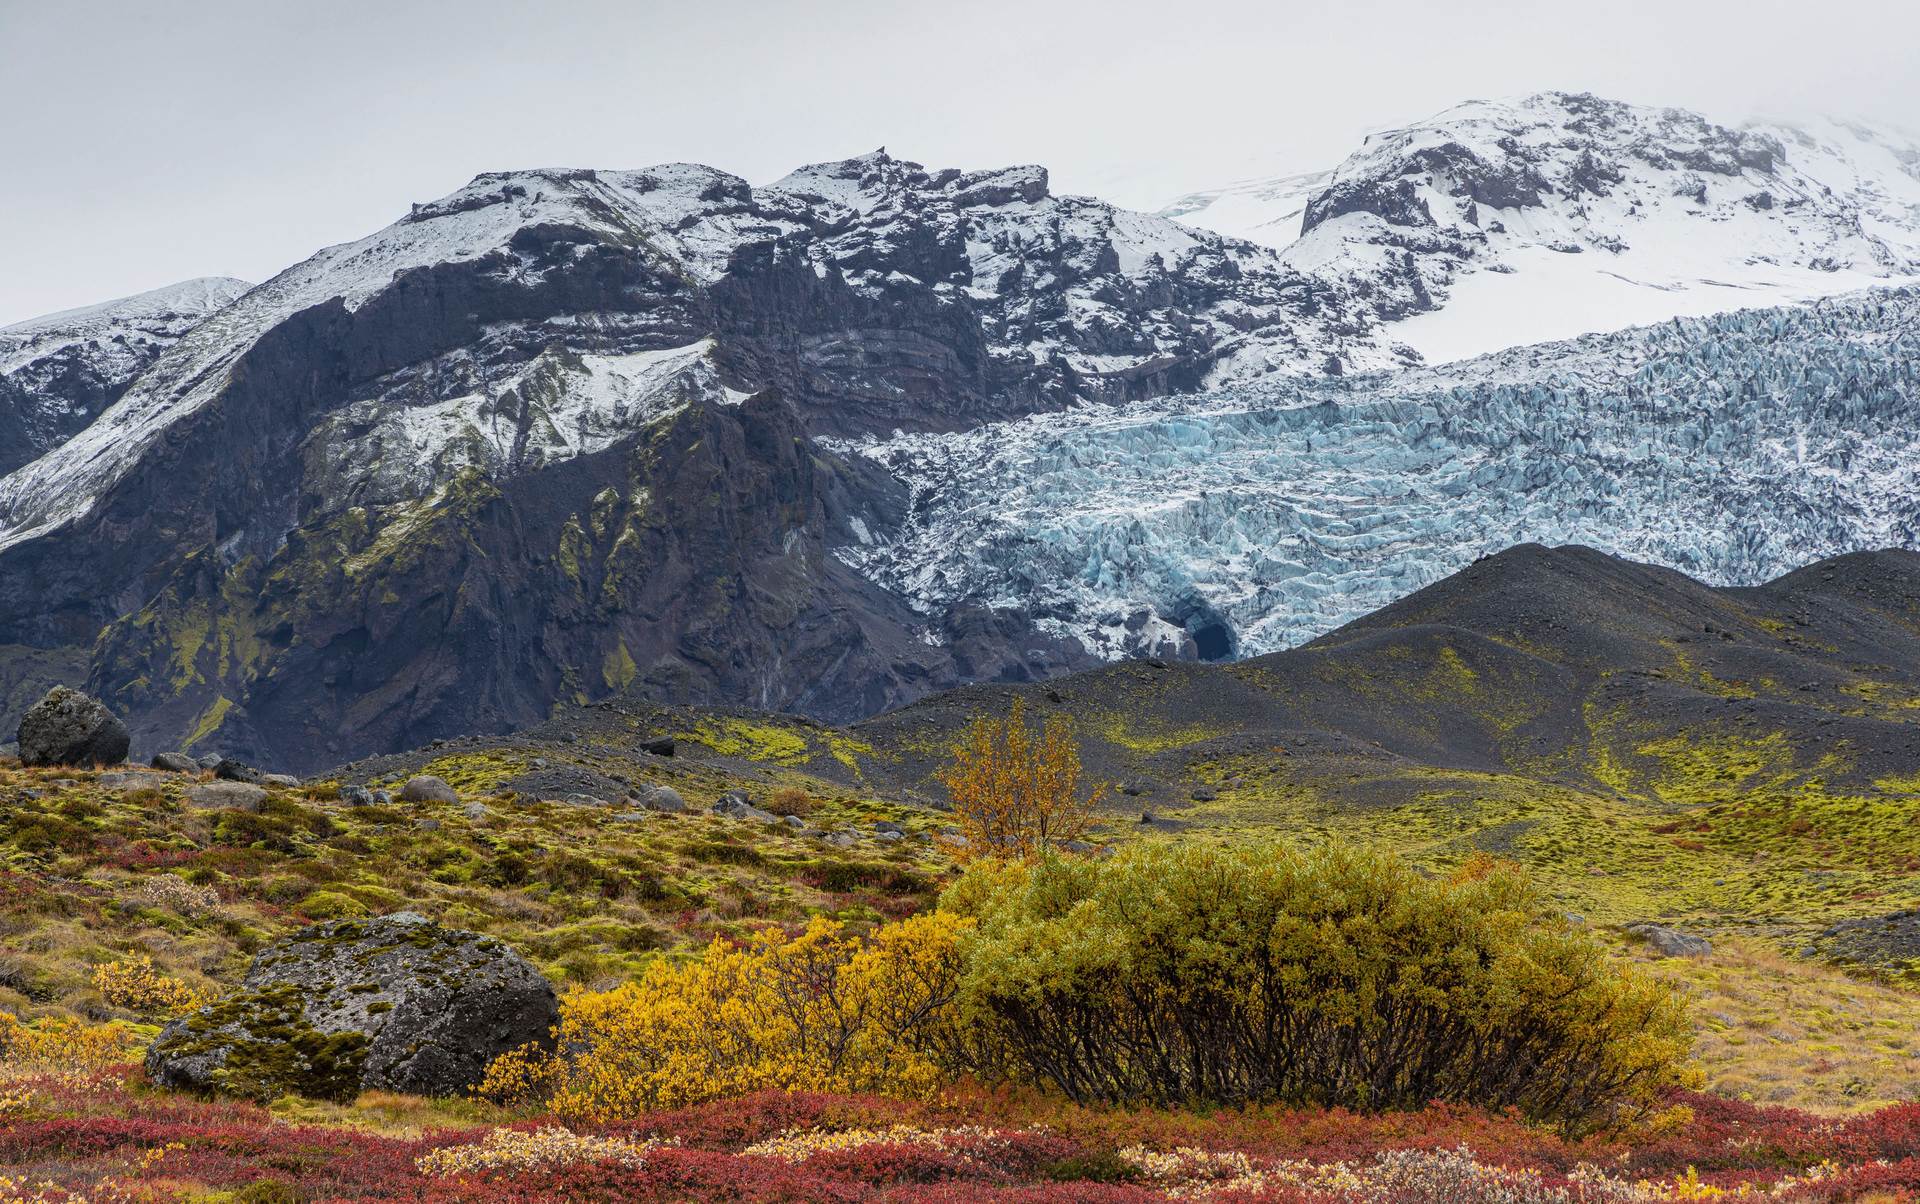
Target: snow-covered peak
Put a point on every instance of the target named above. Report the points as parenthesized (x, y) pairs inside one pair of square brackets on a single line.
[(171, 308), (1505, 222), (1876, 168), (58, 372)]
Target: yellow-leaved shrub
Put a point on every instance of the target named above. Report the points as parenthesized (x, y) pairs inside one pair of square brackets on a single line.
[(134, 985), (59, 1047), (824, 1010)]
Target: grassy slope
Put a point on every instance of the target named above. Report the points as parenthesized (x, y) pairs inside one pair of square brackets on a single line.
[(587, 897)]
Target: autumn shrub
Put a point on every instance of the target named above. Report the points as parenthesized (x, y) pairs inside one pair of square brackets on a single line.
[(790, 800), (133, 985), (1016, 791), (824, 1010), (1187, 973), (58, 1047), (187, 898)]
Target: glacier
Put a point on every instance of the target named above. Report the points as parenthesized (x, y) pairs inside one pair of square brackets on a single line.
[(1246, 520)]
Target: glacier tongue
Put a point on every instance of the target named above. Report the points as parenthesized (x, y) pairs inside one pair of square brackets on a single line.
[(1733, 448)]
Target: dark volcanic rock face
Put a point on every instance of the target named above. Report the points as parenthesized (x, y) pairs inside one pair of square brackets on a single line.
[(396, 1003)]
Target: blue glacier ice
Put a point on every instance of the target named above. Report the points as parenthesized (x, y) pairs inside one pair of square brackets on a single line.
[(1733, 448)]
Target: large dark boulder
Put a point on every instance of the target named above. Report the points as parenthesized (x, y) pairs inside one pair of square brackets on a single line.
[(395, 1003), (70, 728)]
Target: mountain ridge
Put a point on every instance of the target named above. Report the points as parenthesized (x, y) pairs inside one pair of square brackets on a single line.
[(571, 434)]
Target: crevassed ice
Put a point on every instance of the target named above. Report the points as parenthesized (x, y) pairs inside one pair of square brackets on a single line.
[(1733, 448)]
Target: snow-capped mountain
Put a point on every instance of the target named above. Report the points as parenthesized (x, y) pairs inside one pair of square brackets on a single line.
[(835, 442), (1499, 223), (58, 372), (1240, 522), (557, 416), (872, 292)]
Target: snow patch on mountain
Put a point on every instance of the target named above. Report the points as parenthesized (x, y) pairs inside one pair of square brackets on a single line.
[(1240, 522), (158, 314), (560, 405), (1270, 211)]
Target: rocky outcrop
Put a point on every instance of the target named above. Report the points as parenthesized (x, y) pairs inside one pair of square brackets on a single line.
[(396, 1003), (70, 728)]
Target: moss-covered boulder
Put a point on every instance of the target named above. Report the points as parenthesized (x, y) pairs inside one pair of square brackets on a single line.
[(70, 728), (395, 1003)]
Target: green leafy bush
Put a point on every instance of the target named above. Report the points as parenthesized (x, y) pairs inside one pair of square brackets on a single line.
[(1184, 973)]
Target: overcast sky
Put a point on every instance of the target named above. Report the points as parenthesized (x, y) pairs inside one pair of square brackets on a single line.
[(145, 143)]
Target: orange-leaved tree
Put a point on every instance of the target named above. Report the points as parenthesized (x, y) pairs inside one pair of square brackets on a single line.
[(1016, 790)]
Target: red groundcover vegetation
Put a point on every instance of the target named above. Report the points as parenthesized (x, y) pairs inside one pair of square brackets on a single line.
[(112, 1139)]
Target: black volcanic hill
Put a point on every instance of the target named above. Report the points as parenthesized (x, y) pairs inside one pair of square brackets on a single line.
[(1725, 758), (1562, 666)]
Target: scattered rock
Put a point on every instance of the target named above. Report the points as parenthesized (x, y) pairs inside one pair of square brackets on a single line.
[(427, 825), (427, 789), (585, 800), (1203, 794), (396, 1003), (175, 762), (664, 798), (1132, 789), (133, 779), (841, 840), (888, 837), (285, 781), (227, 796), (1671, 942), (659, 746), (1077, 846), (631, 817), (229, 770), (733, 805), (887, 825), (356, 796), (537, 763), (70, 728), (1890, 941), (793, 821), (382, 798), (209, 760), (476, 811)]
